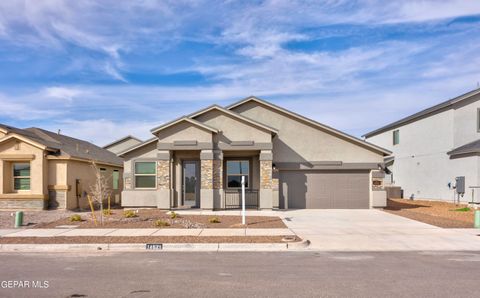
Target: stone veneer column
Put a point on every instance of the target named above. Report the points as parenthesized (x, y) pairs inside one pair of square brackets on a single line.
[(206, 179), (265, 192), (163, 179)]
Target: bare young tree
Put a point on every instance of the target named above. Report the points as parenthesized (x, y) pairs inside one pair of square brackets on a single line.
[(99, 191)]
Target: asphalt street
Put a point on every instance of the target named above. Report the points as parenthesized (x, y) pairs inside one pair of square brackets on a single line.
[(259, 274)]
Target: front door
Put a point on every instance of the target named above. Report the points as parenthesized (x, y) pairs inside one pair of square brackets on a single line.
[(190, 184)]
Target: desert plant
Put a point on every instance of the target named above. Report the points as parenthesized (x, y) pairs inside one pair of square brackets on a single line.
[(129, 214), (214, 220), (107, 212), (99, 191), (75, 217), (173, 215), (161, 223), (465, 209)]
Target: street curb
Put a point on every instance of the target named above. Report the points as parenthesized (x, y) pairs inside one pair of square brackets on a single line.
[(136, 247)]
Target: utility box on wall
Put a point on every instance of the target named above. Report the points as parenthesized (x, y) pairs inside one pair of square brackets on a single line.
[(460, 185)]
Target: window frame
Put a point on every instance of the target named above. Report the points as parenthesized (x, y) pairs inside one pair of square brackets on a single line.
[(116, 179), (238, 175), (396, 140), (478, 119), (21, 177), (135, 174)]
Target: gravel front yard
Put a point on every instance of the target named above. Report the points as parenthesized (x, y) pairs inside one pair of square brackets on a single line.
[(440, 214), (145, 218), (143, 239), (32, 218)]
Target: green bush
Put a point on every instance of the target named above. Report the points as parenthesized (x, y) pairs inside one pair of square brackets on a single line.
[(214, 220), (161, 223), (75, 217), (129, 214), (173, 215), (465, 209)]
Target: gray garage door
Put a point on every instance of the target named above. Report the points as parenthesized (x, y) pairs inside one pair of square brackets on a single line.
[(324, 189)]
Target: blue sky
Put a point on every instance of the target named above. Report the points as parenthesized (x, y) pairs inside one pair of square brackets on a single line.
[(99, 70)]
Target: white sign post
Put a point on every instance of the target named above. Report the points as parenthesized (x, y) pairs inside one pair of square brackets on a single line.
[(243, 200)]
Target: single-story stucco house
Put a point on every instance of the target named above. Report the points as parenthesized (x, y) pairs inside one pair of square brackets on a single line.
[(40, 169), (288, 161)]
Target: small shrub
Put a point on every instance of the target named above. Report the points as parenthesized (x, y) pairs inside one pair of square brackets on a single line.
[(107, 212), (214, 220), (173, 215), (465, 209), (129, 214), (161, 223), (75, 217)]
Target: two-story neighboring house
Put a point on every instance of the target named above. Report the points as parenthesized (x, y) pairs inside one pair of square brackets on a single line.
[(433, 147)]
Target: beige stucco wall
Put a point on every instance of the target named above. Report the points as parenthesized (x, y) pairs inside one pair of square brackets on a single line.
[(298, 141), (184, 131), (37, 173), (123, 145), (233, 129), (86, 174)]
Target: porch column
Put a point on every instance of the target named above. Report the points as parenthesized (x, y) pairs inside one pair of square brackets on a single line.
[(206, 179), (163, 179), (266, 192)]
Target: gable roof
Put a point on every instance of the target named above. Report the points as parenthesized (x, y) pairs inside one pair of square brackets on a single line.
[(183, 119), (234, 115), (135, 147), (424, 113), (472, 147), (311, 122), (64, 145), (121, 140)]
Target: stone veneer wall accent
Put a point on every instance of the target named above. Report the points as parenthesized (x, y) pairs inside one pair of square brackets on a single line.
[(34, 204), (265, 174), (163, 174), (206, 174), (217, 174), (128, 183)]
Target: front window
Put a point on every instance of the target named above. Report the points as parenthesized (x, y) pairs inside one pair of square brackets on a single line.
[(21, 176), (145, 175), (235, 170)]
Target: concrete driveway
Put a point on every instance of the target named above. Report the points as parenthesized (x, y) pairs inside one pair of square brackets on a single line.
[(374, 230)]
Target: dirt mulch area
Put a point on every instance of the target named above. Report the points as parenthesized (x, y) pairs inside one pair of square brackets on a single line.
[(142, 239), (32, 218), (437, 213), (146, 218)]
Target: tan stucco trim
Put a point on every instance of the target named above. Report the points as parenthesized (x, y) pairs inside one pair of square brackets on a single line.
[(59, 187), (3, 130), (184, 119), (16, 196), (21, 138), (67, 157), (235, 115), (17, 156), (311, 122)]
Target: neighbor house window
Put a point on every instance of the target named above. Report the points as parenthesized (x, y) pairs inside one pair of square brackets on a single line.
[(21, 176), (396, 137), (115, 179), (145, 175), (235, 170), (478, 120)]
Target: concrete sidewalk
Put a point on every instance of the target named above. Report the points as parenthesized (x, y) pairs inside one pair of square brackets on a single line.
[(143, 232)]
